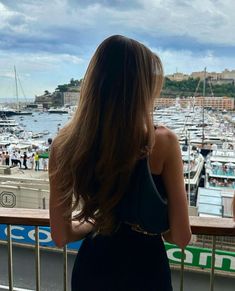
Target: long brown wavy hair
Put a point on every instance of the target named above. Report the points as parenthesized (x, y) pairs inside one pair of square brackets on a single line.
[(110, 131)]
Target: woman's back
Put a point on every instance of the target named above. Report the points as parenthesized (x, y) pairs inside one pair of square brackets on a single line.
[(92, 161), (133, 260), (126, 260)]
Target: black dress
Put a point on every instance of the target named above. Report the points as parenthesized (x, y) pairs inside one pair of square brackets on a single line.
[(125, 261)]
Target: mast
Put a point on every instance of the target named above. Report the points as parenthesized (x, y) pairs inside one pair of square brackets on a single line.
[(17, 94), (203, 111), (189, 164)]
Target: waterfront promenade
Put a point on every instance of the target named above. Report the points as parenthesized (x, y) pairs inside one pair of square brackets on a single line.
[(19, 173)]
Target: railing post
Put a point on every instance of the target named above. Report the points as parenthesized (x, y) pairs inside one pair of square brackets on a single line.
[(37, 258), (43, 203), (182, 270), (10, 262), (65, 268), (212, 274)]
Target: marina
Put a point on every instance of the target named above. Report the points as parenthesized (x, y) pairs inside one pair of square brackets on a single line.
[(47, 68), (20, 187), (207, 144)]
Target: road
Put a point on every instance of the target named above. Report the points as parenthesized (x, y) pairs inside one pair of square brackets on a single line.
[(52, 273)]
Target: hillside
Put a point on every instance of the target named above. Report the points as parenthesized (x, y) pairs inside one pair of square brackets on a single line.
[(185, 88), (193, 87)]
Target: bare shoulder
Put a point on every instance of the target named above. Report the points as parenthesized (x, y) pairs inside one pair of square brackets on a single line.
[(164, 141), (164, 137), (162, 130)]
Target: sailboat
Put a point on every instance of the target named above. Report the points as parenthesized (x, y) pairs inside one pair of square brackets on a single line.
[(203, 144), (8, 112), (18, 111)]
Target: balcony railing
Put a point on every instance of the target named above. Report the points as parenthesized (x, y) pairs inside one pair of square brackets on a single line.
[(213, 227)]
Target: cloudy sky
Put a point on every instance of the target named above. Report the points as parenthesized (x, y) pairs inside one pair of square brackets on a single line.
[(51, 41)]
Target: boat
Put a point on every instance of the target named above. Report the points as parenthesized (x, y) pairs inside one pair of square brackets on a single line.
[(45, 132), (193, 163), (215, 198), (18, 111), (6, 139), (37, 135), (58, 110), (9, 126), (6, 112), (220, 169), (5, 122)]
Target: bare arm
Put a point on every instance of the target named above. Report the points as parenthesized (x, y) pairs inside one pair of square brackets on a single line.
[(180, 232), (63, 230)]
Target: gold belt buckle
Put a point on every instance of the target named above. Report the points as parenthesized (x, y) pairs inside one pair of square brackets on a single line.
[(138, 228)]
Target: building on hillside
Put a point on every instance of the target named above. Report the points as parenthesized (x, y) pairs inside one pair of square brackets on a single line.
[(196, 75), (164, 102), (178, 77), (48, 99), (71, 98), (57, 99), (226, 74), (45, 100), (201, 75), (214, 77), (220, 103)]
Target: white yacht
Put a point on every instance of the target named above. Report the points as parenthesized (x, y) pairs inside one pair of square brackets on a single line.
[(193, 163), (220, 169), (5, 122), (215, 199)]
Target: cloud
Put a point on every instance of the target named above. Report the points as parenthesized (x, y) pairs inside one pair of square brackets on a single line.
[(13, 21), (37, 62), (38, 72), (74, 22), (185, 61), (52, 41)]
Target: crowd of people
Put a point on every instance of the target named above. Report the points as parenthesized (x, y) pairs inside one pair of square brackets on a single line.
[(223, 169), (25, 160), (221, 182)]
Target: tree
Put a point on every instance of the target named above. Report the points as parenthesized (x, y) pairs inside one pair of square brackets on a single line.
[(62, 88), (72, 82), (46, 92)]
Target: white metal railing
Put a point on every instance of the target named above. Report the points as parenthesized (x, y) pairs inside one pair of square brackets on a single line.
[(214, 227)]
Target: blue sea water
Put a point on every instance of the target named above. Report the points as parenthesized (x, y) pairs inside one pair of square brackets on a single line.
[(41, 121)]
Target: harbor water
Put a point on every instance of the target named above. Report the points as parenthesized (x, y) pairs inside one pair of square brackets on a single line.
[(43, 121)]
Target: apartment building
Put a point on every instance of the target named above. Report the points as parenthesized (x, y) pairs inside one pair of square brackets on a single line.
[(220, 103), (164, 102), (226, 74), (178, 77), (224, 77)]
